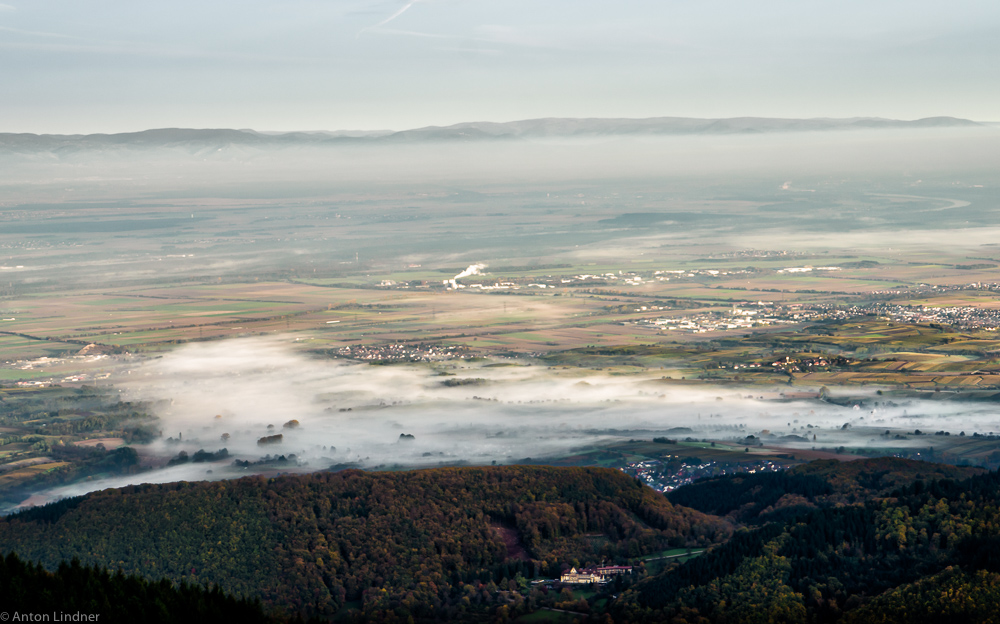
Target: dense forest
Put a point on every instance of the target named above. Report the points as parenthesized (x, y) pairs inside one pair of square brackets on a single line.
[(28, 588), (878, 540), (431, 544), (769, 497), (925, 551)]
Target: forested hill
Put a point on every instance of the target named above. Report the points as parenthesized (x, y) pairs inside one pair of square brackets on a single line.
[(879, 540), (116, 598), (773, 496), (928, 551), (392, 542)]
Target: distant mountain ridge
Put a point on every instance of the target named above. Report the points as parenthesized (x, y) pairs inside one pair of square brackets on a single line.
[(569, 127), (469, 131)]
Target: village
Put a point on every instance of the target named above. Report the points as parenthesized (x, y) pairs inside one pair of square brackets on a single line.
[(665, 476), (751, 315), (760, 314), (962, 317), (403, 353)]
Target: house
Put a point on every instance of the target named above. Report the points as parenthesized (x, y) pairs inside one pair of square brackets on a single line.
[(606, 571), (584, 576), (602, 574)]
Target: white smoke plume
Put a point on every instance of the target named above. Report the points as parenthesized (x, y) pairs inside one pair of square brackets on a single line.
[(472, 269)]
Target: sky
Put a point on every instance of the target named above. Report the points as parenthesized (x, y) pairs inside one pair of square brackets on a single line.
[(82, 66)]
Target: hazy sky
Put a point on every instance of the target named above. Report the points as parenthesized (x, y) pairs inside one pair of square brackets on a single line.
[(117, 65)]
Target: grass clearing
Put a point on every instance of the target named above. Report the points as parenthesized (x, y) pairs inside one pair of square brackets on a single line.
[(547, 616)]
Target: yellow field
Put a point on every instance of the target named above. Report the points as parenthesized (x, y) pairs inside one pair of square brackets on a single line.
[(19, 474)]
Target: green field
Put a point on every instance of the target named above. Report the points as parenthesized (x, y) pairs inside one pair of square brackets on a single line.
[(548, 616)]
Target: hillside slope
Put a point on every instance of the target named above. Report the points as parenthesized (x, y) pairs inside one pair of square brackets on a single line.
[(929, 549), (767, 497), (28, 588), (410, 540)]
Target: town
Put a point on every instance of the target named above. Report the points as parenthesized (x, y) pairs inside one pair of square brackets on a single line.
[(750, 315), (673, 472)]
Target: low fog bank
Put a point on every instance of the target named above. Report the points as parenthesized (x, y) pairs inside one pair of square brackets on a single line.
[(232, 394), (299, 170)]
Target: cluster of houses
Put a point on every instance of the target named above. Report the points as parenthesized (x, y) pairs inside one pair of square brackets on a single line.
[(965, 317), (760, 315), (404, 353), (663, 478), (766, 313)]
